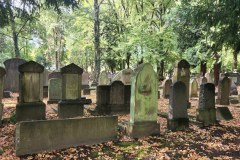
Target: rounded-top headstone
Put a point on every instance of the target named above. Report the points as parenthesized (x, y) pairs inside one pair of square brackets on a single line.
[(2, 71), (182, 64), (32, 67), (71, 69)]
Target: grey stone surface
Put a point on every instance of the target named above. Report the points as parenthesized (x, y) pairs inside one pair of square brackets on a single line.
[(223, 91), (2, 75), (194, 88), (85, 80), (70, 109), (233, 89), (103, 78), (103, 98), (12, 74), (166, 88), (55, 90), (55, 74), (124, 75), (223, 113), (210, 77), (37, 136)]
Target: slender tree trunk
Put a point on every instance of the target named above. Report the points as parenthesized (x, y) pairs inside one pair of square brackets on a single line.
[(96, 41), (14, 33), (161, 70), (203, 68), (235, 59)]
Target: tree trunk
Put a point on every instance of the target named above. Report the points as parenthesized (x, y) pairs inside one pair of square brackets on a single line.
[(235, 59), (96, 41), (203, 68), (160, 70), (14, 33)]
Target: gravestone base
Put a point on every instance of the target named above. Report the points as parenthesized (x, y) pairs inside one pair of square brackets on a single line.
[(119, 108), (86, 91), (70, 109), (141, 129), (53, 101), (30, 111), (1, 113), (223, 113), (178, 124), (207, 116)]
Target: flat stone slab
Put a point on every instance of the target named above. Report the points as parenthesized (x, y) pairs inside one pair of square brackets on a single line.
[(36, 136)]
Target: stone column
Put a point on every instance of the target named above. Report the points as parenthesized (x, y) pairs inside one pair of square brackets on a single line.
[(144, 103), (206, 111), (177, 114), (71, 104), (30, 105), (2, 74)]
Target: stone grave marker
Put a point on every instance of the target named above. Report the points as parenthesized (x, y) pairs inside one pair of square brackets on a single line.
[(124, 76), (71, 104), (55, 74), (30, 105), (223, 91), (85, 80), (223, 113), (206, 112), (103, 78), (54, 90), (12, 75), (194, 88), (144, 103), (182, 73), (233, 89), (177, 113), (2, 74), (166, 88)]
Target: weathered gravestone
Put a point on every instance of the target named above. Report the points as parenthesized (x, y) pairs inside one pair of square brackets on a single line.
[(85, 80), (55, 74), (182, 73), (166, 88), (103, 78), (12, 74), (114, 98), (144, 103), (206, 112), (30, 105), (2, 74), (124, 76), (210, 77), (45, 83), (233, 89), (194, 88), (234, 76), (223, 91), (71, 104), (177, 114), (223, 113), (54, 90)]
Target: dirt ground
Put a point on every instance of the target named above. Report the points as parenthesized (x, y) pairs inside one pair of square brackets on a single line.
[(220, 141)]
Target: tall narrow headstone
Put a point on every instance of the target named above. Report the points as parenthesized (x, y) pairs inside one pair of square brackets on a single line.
[(103, 78), (166, 87), (206, 111), (182, 73), (194, 88), (54, 90), (30, 105), (71, 104), (12, 74), (124, 76), (177, 114), (144, 103), (223, 91), (2, 74)]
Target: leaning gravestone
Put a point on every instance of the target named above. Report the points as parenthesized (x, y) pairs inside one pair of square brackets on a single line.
[(144, 103), (166, 87), (182, 73), (223, 91), (12, 75), (54, 90), (177, 114), (103, 78), (2, 74), (194, 88), (124, 76), (30, 106), (71, 104), (206, 112)]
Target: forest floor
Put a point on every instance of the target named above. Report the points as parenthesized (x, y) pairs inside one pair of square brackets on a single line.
[(220, 141)]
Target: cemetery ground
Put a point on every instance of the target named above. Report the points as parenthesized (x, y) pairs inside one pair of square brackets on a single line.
[(215, 142)]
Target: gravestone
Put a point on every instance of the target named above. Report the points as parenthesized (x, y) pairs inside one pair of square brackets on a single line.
[(45, 83), (182, 73), (54, 90), (12, 75), (103, 78), (54, 74), (233, 89), (30, 105), (166, 87), (210, 77), (223, 91), (102, 96), (124, 76), (234, 76), (194, 88), (71, 104), (85, 80), (2, 74), (206, 112), (223, 113), (203, 80), (177, 113), (144, 103)]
